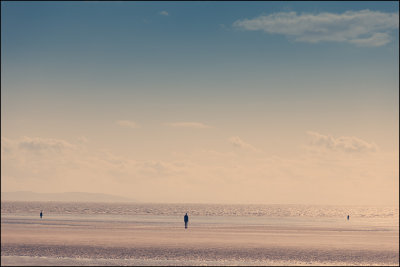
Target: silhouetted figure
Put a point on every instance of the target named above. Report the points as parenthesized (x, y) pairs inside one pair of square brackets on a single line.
[(41, 214), (348, 217), (186, 219)]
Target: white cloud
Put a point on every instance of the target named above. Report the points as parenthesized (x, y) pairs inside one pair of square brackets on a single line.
[(362, 28), (197, 125), (344, 143), (128, 124), (199, 175), (6, 146), (377, 39), (42, 164), (82, 139), (164, 13), (43, 144), (237, 142)]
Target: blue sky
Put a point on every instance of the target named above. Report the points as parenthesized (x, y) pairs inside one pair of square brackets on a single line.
[(77, 69), (76, 51)]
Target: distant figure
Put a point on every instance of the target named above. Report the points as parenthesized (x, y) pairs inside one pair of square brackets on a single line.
[(186, 219), (41, 214), (348, 217)]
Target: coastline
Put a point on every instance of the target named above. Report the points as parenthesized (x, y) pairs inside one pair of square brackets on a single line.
[(79, 242)]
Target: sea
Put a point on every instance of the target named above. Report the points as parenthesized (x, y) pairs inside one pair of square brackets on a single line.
[(375, 217), (212, 216)]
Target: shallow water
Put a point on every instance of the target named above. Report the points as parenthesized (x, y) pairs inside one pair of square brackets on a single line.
[(209, 215), (312, 211), (53, 261), (153, 234)]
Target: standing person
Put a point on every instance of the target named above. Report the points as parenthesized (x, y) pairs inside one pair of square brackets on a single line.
[(186, 219), (348, 217), (41, 214)]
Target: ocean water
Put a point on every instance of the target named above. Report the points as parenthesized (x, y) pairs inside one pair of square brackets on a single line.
[(378, 217), (244, 210), (241, 221), (53, 261)]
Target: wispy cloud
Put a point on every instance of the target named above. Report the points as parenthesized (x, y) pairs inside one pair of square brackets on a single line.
[(54, 163), (361, 28), (6, 146), (237, 142), (128, 124), (82, 139), (377, 39), (344, 143), (42, 144), (257, 178), (196, 125), (164, 13)]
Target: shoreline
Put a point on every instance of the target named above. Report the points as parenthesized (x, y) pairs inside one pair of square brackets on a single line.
[(141, 242), (53, 261), (200, 254)]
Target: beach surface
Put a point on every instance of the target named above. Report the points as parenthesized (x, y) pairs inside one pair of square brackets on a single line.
[(105, 240)]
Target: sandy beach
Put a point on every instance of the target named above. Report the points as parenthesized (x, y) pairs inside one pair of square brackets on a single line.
[(30, 241)]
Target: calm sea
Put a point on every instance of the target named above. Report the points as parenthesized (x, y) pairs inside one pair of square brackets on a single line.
[(211, 214), (215, 217)]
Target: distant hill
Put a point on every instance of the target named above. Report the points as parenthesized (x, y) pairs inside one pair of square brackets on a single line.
[(67, 196)]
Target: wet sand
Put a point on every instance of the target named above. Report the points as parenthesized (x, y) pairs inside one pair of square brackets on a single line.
[(60, 241)]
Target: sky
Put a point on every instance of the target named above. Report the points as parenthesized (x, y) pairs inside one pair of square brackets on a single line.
[(202, 102)]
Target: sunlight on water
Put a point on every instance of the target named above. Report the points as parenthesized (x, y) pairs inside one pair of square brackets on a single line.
[(199, 209), (283, 226)]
